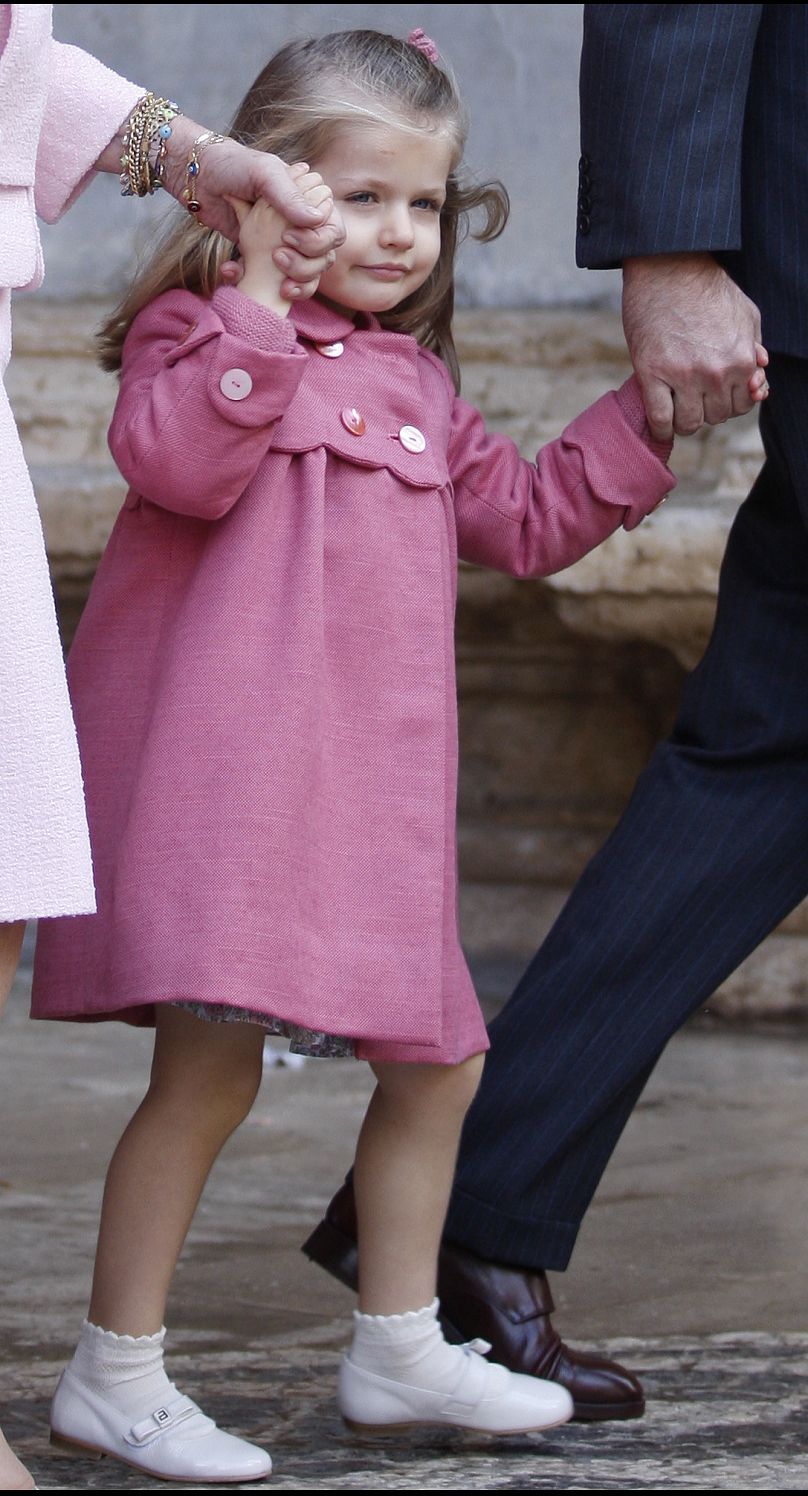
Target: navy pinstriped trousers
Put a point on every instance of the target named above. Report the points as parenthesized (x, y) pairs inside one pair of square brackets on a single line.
[(710, 854)]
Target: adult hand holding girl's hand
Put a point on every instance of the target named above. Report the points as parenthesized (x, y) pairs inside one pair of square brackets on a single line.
[(694, 340), (312, 230), (269, 270)]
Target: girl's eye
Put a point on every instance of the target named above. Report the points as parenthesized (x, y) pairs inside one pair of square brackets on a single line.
[(361, 197), (430, 203)]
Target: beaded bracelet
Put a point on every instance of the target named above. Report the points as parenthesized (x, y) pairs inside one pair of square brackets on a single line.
[(189, 197), (148, 130)]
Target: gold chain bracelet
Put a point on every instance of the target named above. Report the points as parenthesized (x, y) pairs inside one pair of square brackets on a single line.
[(189, 197), (148, 131)]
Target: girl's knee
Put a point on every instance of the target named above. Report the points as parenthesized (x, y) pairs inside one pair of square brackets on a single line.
[(207, 1069), (447, 1088)]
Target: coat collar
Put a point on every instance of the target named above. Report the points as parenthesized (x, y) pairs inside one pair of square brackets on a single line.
[(320, 324), (317, 323)]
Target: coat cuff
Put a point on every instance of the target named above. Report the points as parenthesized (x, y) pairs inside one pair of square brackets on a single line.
[(252, 322), (619, 465), (632, 407)]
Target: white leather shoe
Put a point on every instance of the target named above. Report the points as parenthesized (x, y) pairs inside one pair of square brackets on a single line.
[(486, 1397), (174, 1442)]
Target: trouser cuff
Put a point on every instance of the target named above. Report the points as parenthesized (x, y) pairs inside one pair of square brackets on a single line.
[(538, 1244)]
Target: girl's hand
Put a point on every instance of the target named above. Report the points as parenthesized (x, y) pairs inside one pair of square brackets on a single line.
[(758, 383), (266, 259)]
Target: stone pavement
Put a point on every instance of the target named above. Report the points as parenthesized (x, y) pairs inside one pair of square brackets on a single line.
[(691, 1267)]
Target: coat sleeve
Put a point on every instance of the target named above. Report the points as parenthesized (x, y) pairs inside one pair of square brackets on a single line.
[(202, 384), (663, 96), (85, 106), (535, 518)]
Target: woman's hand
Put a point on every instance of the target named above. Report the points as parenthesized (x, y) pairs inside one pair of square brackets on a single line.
[(312, 228), (229, 171), (267, 261)]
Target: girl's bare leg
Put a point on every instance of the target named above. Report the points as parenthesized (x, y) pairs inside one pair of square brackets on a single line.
[(115, 1396), (204, 1080), (400, 1370), (405, 1161)]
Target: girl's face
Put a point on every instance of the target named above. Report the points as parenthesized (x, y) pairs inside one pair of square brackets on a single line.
[(389, 185)]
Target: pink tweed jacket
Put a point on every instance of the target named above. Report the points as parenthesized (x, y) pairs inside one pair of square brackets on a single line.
[(58, 109), (263, 679)]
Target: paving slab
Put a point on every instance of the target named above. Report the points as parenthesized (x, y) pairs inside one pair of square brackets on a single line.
[(691, 1268)]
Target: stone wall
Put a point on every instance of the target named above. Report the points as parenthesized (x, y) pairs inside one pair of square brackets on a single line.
[(565, 685)]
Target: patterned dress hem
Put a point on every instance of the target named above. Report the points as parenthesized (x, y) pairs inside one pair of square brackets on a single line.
[(305, 1041)]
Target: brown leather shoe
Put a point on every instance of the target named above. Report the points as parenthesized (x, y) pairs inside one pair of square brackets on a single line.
[(510, 1307)]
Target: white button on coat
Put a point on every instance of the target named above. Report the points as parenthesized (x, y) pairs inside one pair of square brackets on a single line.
[(411, 438), (330, 350), (235, 384)]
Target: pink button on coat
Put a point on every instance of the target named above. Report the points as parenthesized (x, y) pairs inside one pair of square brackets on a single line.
[(263, 678)]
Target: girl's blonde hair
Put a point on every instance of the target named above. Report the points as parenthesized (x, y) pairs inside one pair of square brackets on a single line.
[(291, 111)]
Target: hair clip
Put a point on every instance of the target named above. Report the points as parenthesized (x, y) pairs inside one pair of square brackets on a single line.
[(418, 38)]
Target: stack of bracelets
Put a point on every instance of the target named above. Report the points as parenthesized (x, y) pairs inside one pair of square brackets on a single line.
[(145, 145)]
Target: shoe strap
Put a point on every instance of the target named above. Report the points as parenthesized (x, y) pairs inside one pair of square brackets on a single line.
[(167, 1416), (478, 1346)]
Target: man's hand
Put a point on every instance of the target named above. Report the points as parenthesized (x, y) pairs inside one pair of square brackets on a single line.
[(694, 340)]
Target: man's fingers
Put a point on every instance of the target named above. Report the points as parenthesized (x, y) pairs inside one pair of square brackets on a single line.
[(718, 407), (688, 412), (743, 398), (658, 402)]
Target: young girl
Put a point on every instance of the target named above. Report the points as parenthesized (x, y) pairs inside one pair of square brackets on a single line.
[(263, 684)]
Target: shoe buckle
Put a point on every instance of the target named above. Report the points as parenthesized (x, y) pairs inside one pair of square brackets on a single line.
[(162, 1418)]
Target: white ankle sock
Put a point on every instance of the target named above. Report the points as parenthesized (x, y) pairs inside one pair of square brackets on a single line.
[(126, 1370), (407, 1348)]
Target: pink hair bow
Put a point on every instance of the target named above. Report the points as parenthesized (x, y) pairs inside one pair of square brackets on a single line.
[(418, 38)]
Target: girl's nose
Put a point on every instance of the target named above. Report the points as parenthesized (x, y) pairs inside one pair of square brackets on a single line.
[(397, 228)]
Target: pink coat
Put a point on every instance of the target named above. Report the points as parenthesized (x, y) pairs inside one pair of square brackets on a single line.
[(263, 678)]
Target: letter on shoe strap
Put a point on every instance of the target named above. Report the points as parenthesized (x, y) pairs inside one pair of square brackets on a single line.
[(168, 1416)]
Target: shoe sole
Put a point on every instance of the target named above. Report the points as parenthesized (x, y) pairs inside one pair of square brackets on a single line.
[(606, 1412), (93, 1452), (371, 1430)]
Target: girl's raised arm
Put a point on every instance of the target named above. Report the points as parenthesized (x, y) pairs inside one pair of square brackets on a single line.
[(202, 384)]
